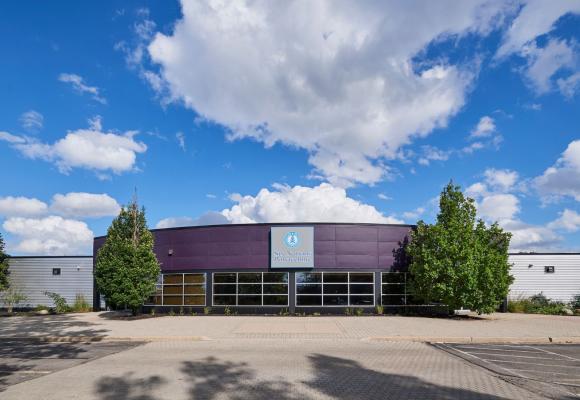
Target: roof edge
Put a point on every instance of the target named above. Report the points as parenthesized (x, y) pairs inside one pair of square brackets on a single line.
[(272, 224), (545, 254), (50, 256)]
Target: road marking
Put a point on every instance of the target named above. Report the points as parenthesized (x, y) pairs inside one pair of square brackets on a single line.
[(511, 372), (512, 355), (551, 352), (487, 348), (545, 372), (24, 372), (527, 363)]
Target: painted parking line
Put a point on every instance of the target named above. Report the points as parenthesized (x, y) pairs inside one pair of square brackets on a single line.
[(512, 355), (31, 372), (556, 367), (493, 349), (546, 372), (527, 363), (468, 354), (558, 354)]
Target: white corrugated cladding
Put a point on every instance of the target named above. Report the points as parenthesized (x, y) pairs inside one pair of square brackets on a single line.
[(33, 276), (530, 277)]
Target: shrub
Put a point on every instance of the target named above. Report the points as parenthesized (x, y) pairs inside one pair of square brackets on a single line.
[(359, 312), (227, 310), (60, 305), (171, 312), (13, 297), (348, 311), (207, 310), (379, 310), (81, 304), (181, 312), (575, 302), (537, 304)]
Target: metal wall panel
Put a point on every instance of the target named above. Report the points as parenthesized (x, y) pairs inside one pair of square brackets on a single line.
[(238, 247), (33, 276), (530, 277)]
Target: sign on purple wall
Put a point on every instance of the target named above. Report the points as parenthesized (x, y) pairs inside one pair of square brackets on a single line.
[(292, 247)]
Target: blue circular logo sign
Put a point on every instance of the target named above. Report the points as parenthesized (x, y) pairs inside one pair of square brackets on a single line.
[(291, 239)]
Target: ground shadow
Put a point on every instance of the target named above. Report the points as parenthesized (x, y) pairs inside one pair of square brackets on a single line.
[(210, 378), (332, 377), (127, 387), (35, 349), (48, 325)]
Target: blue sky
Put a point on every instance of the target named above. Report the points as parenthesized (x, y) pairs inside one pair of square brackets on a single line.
[(295, 111)]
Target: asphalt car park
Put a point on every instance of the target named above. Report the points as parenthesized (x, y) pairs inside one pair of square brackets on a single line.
[(553, 369), (22, 360)]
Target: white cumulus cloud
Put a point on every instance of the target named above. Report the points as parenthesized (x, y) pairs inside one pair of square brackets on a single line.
[(499, 206), (209, 218), (526, 237), (563, 178), (21, 206), (501, 179), (84, 205), (322, 203), (334, 78), (91, 148), (544, 62), (51, 235), (485, 127), (569, 221)]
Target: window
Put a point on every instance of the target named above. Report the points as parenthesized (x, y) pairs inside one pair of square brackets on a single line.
[(549, 269), (335, 289), (394, 289), (179, 290), (250, 289), (56, 271)]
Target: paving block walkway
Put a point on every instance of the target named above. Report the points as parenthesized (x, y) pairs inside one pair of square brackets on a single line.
[(492, 328)]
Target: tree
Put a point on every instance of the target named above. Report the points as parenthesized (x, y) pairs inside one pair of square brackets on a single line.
[(4, 283), (126, 268), (459, 261)]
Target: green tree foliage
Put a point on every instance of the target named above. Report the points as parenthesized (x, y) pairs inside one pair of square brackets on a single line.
[(4, 283), (126, 268), (459, 261)]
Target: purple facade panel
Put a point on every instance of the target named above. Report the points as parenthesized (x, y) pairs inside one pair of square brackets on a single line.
[(356, 248), (357, 233), (324, 233), (233, 247)]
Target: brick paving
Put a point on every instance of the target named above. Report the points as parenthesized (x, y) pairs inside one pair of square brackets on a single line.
[(286, 369), (506, 326)]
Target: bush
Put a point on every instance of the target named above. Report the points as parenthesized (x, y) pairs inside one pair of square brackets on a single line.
[(359, 312), (207, 310), (81, 304), (13, 297), (379, 310), (60, 305), (227, 310), (537, 304), (575, 302)]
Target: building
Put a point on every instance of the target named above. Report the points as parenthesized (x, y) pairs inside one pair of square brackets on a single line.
[(257, 268), (299, 267), (555, 275), (67, 276)]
